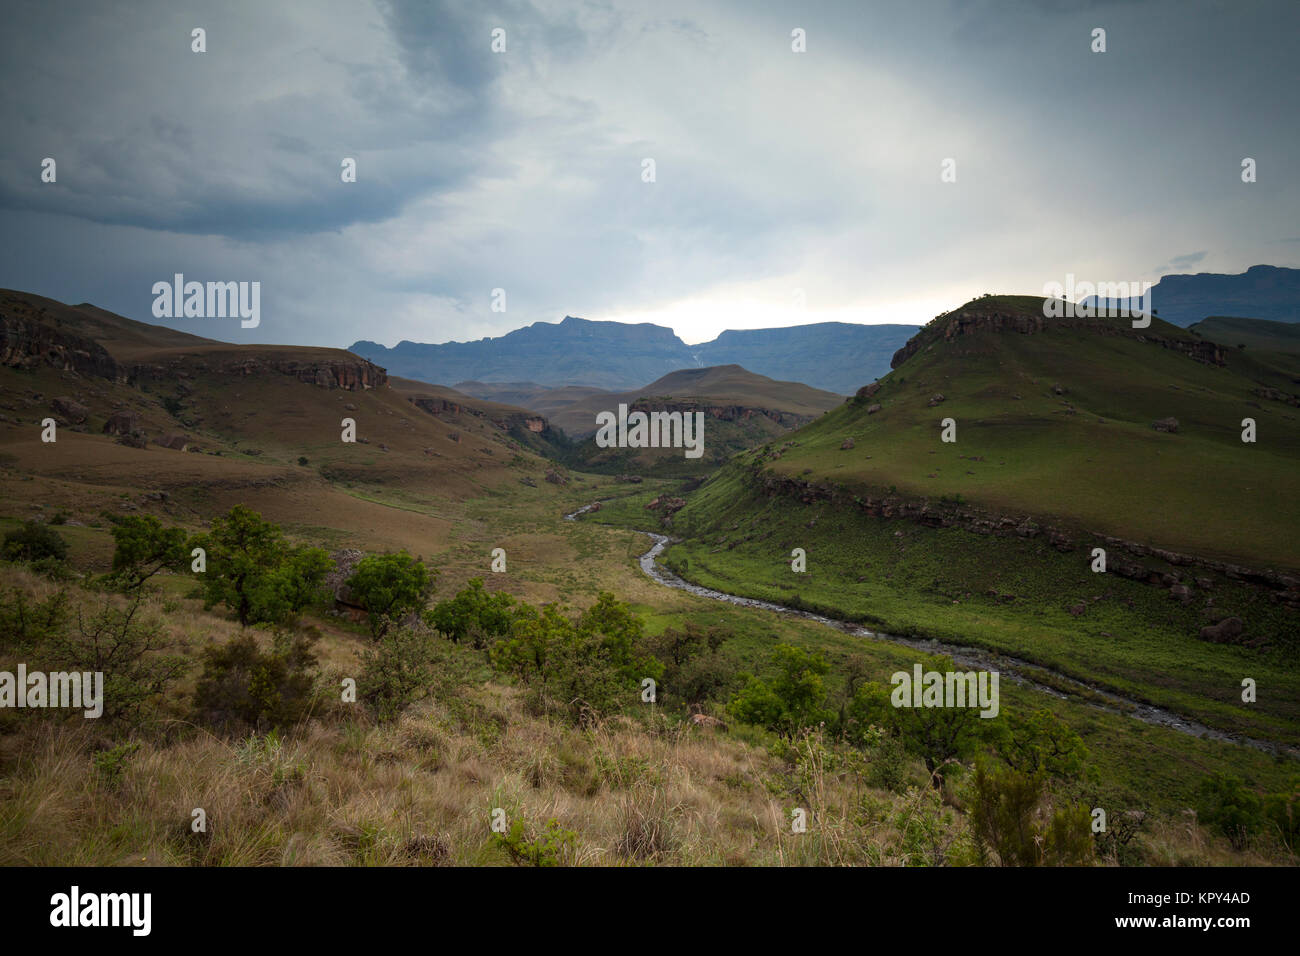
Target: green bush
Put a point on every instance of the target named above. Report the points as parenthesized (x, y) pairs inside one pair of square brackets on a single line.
[(396, 672), (32, 542), (792, 699), (589, 665), (25, 623), (1230, 807), (473, 613), (553, 846), (1013, 821), (243, 686), (131, 651)]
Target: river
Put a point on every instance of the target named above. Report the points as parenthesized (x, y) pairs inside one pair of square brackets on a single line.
[(971, 658)]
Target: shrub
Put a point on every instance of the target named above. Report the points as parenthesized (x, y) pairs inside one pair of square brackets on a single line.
[(1230, 807), (694, 668), (242, 685), (590, 665), (396, 672), (1011, 818), (553, 846), (129, 650), (111, 763), (25, 623), (32, 542)]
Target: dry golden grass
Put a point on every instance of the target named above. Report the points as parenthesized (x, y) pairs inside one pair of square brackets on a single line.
[(341, 789)]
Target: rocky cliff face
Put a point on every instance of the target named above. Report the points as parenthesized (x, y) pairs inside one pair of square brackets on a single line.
[(973, 321), (445, 408), (26, 342), (351, 375)]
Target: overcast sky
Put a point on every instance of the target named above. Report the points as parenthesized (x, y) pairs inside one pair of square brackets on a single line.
[(775, 171)]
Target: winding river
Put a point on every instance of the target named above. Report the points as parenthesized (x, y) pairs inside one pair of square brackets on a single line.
[(971, 658)]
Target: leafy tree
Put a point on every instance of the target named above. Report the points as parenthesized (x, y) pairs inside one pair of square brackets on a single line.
[(938, 735), (293, 585), (145, 547), (1041, 742), (792, 699), (473, 612), (241, 548), (389, 586)]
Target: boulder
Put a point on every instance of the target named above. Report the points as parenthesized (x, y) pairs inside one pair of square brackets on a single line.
[(1227, 631), (174, 442), (121, 423), (70, 408), (872, 409), (1166, 425), (846, 444), (704, 720)]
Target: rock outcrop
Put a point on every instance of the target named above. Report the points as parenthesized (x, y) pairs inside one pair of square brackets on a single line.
[(977, 319), (26, 342)]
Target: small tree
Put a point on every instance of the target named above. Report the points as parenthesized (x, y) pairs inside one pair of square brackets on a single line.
[(473, 613), (145, 547), (241, 548), (389, 586), (792, 699), (396, 672)]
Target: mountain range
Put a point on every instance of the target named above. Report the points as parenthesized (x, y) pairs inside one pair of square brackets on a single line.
[(833, 356), (836, 357), (1261, 292)]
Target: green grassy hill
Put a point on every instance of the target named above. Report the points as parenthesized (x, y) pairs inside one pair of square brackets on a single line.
[(1054, 420), (740, 410), (1261, 334), (1054, 449)]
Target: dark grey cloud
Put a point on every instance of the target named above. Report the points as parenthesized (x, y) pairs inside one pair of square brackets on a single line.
[(776, 171)]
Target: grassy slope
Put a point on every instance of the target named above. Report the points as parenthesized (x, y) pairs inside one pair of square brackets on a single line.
[(1253, 333), (1102, 468), (1007, 594)]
